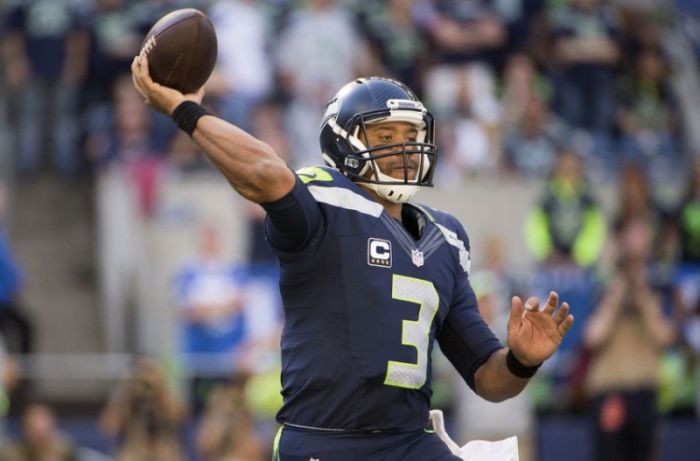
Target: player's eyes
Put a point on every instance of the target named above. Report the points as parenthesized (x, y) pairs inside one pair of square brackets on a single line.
[(388, 139)]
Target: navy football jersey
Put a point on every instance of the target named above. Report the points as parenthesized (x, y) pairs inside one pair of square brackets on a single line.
[(364, 302)]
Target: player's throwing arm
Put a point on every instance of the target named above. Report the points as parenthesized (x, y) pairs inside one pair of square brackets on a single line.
[(176, 59)]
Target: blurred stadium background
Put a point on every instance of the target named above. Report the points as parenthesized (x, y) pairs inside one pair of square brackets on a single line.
[(138, 311)]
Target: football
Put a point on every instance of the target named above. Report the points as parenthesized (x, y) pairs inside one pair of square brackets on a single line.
[(181, 49)]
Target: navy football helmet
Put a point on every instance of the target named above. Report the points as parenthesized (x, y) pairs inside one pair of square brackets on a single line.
[(368, 101)]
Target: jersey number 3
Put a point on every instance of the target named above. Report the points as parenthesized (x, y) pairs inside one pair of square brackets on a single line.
[(415, 333)]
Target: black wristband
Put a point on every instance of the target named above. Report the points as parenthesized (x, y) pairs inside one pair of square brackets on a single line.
[(187, 114), (516, 367)]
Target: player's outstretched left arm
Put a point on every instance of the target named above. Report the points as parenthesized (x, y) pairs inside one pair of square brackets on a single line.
[(251, 166), (533, 336)]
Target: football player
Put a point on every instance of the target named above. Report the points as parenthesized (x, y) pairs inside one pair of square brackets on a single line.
[(369, 280)]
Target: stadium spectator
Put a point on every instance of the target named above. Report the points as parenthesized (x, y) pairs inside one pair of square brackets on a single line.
[(636, 201), (687, 279), (45, 52), (629, 322), (121, 131), (585, 34), (322, 35), (9, 377), (460, 83), (688, 299), (464, 36), (227, 431), (214, 326), (688, 220), (567, 225), (689, 16), (642, 32), (125, 141), (114, 128), (245, 72), (15, 326), (530, 147), (114, 36), (127, 165), (646, 112), (144, 415), (501, 282), (566, 233), (473, 125), (398, 46), (524, 19), (210, 295), (521, 82), (462, 31), (41, 439)]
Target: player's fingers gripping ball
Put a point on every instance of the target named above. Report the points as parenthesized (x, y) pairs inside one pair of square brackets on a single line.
[(136, 79)]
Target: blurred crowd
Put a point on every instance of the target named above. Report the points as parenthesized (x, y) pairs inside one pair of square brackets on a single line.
[(566, 94), (512, 82)]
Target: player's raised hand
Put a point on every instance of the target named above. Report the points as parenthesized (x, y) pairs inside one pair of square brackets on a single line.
[(534, 334), (162, 98)]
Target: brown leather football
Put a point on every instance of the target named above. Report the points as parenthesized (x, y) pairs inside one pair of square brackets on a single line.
[(181, 49)]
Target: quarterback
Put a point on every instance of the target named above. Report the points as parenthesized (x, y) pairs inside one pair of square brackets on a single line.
[(369, 280)]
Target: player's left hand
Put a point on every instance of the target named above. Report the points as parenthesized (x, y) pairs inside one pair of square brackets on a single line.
[(162, 98), (534, 334)]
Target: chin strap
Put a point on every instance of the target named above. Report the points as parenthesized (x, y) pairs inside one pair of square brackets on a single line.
[(400, 193), (397, 193)]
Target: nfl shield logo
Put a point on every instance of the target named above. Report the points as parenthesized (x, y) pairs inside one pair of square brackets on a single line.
[(417, 257)]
